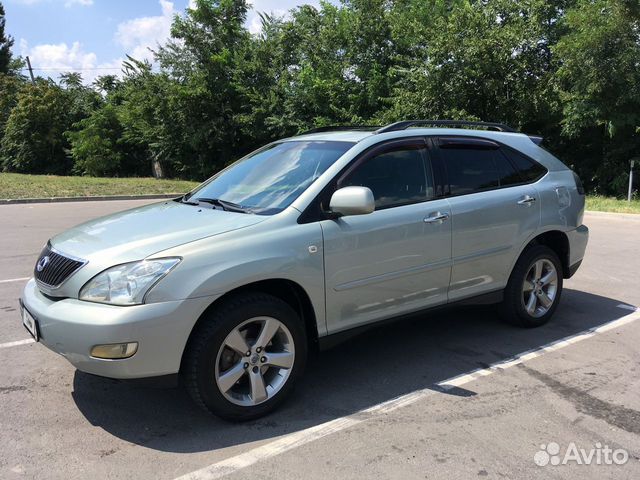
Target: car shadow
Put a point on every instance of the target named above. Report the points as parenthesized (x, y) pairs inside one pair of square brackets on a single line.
[(377, 366)]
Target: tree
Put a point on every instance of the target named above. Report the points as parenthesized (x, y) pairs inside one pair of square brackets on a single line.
[(10, 86), (98, 147), (33, 140), (6, 42), (599, 84), (197, 125)]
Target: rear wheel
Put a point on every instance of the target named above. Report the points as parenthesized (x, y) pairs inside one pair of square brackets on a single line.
[(534, 288), (245, 357)]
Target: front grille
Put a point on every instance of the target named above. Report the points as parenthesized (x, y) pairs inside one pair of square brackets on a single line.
[(56, 269)]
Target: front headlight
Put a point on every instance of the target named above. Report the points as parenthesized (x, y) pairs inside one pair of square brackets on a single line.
[(127, 284)]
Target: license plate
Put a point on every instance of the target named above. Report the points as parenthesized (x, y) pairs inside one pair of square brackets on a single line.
[(30, 323)]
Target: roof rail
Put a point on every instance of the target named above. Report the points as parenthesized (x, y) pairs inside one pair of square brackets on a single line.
[(403, 125), (337, 128)]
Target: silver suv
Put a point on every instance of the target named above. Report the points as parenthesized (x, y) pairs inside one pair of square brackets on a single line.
[(301, 243)]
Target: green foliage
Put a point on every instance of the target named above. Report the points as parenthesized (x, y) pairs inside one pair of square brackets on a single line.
[(33, 139), (599, 85), (96, 143), (10, 86), (566, 69), (6, 42)]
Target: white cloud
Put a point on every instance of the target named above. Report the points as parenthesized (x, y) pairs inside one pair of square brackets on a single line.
[(58, 56), (51, 60), (83, 3), (140, 34)]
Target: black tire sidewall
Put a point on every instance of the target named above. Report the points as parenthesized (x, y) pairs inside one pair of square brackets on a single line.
[(210, 340)]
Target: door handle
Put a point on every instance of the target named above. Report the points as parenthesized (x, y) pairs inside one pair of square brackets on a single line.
[(527, 200), (436, 217)]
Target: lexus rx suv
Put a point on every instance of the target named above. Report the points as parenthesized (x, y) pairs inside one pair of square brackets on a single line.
[(300, 244)]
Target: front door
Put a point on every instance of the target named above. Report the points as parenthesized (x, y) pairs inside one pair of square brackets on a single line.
[(396, 259)]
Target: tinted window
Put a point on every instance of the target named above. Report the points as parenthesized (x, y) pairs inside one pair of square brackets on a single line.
[(530, 171), (507, 175), (395, 177), (268, 180), (476, 169)]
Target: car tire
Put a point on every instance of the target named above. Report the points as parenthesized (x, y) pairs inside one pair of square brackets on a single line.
[(229, 383), (534, 288)]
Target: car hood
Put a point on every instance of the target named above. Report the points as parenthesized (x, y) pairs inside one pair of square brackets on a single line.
[(140, 232)]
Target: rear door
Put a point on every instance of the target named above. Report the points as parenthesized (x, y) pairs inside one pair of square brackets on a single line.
[(396, 259), (494, 210)]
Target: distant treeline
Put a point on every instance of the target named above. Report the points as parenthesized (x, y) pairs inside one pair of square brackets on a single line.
[(568, 70)]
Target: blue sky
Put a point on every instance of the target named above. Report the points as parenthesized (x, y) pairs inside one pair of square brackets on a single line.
[(93, 36)]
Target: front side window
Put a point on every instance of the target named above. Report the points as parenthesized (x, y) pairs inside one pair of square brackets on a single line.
[(396, 177), (269, 180)]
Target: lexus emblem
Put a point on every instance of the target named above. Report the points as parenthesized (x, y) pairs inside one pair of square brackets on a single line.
[(42, 263)]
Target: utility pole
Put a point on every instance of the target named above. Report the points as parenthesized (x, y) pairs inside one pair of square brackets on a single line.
[(630, 181), (33, 80)]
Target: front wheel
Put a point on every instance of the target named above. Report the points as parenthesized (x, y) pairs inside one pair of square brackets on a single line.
[(534, 288), (245, 357)]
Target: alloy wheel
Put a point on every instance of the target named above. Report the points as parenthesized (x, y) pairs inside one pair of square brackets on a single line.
[(255, 361), (540, 287)]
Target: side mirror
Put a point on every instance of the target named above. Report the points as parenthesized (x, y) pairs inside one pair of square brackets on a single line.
[(352, 201)]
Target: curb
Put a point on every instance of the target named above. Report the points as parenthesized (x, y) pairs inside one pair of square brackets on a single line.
[(16, 201), (629, 216)]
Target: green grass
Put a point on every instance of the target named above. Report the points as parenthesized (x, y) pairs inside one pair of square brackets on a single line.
[(608, 204), (15, 186)]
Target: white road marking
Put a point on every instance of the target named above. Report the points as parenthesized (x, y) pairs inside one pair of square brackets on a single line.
[(17, 343), (302, 437), (15, 280)]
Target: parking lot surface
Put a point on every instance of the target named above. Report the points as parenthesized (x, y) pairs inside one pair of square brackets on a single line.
[(453, 394)]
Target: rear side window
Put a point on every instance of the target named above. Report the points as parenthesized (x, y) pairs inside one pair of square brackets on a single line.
[(396, 177), (529, 170), (475, 169)]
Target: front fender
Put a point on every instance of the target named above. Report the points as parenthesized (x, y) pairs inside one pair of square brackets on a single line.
[(212, 267)]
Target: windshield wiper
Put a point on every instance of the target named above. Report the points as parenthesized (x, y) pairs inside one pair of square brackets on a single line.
[(227, 206)]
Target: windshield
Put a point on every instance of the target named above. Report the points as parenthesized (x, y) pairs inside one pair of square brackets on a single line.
[(269, 180)]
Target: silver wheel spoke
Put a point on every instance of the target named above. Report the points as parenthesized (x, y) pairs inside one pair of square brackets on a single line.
[(258, 389), (528, 286), (545, 300), (237, 342), (269, 329), (283, 360), (537, 270), (549, 278), (231, 376), (531, 304)]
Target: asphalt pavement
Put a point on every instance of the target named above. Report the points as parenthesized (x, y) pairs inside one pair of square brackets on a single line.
[(453, 394)]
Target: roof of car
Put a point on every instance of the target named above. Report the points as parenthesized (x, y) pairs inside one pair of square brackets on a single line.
[(358, 135), (529, 145)]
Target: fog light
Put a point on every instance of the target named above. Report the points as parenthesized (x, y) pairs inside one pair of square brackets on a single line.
[(115, 350)]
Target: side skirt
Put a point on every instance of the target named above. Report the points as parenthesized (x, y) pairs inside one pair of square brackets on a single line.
[(332, 340)]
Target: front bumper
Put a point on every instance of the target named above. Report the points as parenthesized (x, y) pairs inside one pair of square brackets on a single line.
[(71, 327)]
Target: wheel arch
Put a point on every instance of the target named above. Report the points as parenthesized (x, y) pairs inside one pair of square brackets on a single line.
[(286, 290), (556, 240)]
